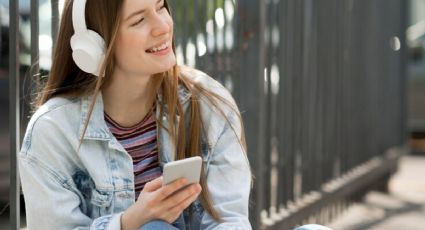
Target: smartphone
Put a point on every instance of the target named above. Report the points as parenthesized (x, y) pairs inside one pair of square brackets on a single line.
[(189, 168)]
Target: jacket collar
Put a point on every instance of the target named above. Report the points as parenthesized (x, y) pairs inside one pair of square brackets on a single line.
[(97, 128)]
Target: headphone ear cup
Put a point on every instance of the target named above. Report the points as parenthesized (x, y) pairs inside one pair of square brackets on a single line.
[(98, 40), (88, 51)]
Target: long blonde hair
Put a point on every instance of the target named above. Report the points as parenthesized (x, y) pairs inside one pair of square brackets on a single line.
[(66, 79)]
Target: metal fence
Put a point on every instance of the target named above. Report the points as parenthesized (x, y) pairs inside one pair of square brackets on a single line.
[(320, 85)]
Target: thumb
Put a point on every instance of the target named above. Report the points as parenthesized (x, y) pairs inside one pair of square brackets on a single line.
[(153, 185)]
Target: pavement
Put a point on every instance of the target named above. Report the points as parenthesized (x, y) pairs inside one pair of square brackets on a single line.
[(403, 208)]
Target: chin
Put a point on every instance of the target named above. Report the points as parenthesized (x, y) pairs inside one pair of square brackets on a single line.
[(169, 65), (163, 66), (164, 69)]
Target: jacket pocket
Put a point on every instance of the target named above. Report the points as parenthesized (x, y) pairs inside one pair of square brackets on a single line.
[(95, 202), (101, 198), (101, 202)]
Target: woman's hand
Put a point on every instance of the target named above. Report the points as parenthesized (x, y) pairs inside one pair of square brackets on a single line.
[(160, 202)]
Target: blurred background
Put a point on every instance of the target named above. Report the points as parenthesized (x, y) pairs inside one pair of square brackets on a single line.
[(332, 95)]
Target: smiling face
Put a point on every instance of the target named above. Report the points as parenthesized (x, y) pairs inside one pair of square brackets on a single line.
[(144, 39)]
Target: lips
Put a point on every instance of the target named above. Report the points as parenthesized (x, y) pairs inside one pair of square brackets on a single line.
[(158, 48)]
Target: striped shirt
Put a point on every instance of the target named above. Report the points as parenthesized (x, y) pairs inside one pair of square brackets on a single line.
[(140, 141)]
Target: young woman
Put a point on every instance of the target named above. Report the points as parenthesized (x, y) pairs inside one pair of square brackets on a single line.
[(114, 109), (93, 152)]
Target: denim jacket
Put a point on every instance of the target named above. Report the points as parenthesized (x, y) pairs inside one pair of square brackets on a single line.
[(89, 189)]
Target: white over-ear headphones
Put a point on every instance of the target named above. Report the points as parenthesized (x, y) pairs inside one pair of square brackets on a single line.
[(88, 47)]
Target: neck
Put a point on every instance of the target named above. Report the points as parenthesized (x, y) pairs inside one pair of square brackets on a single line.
[(127, 99)]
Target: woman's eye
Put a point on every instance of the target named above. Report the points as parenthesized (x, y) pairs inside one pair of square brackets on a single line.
[(138, 22), (162, 7), (141, 19)]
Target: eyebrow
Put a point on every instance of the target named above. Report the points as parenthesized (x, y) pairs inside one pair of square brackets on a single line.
[(140, 11)]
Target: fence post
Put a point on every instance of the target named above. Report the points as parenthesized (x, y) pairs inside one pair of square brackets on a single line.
[(35, 32), (251, 28), (405, 6), (14, 93)]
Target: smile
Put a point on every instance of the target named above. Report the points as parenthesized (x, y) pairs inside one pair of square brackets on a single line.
[(159, 48)]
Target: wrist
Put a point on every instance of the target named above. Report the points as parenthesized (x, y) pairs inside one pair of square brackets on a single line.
[(130, 220), (126, 221)]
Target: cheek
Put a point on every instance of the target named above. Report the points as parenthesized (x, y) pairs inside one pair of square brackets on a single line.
[(130, 45), (170, 23), (128, 51), (131, 42)]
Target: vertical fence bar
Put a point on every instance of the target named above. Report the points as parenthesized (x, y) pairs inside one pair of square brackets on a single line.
[(268, 106), (289, 173), (345, 86), (340, 57), (14, 127), (297, 105), (184, 32), (303, 99), (214, 37), (274, 92), (331, 89), (55, 21), (207, 57), (220, 38), (252, 21), (321, 72), (196, 17), (404, 6), (280, 118), (309, 82), (34, 38), (235, 55), (310, 75), (225, 54), (284, 125), (326, 78)]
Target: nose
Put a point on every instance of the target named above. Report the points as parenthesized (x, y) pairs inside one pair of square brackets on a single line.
[(161, 26)]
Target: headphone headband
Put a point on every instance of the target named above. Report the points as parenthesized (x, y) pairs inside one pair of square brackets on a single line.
[(79, 16)]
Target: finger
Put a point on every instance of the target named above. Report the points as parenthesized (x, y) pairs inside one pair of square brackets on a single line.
[(153, 185), (169, 189), (182, 195), (183, 204)]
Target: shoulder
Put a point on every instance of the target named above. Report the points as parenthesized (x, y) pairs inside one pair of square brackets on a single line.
[(207, 83), (54, 106), (57, 117), (218, 109), (199, 77)]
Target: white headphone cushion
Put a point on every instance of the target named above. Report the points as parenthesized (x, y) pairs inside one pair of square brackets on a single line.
[(88, 51)]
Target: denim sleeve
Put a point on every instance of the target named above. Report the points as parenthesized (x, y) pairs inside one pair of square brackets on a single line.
[(229, 179), (51, 204)]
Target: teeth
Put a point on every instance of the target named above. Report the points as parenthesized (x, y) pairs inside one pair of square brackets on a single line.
[(159, 48)]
